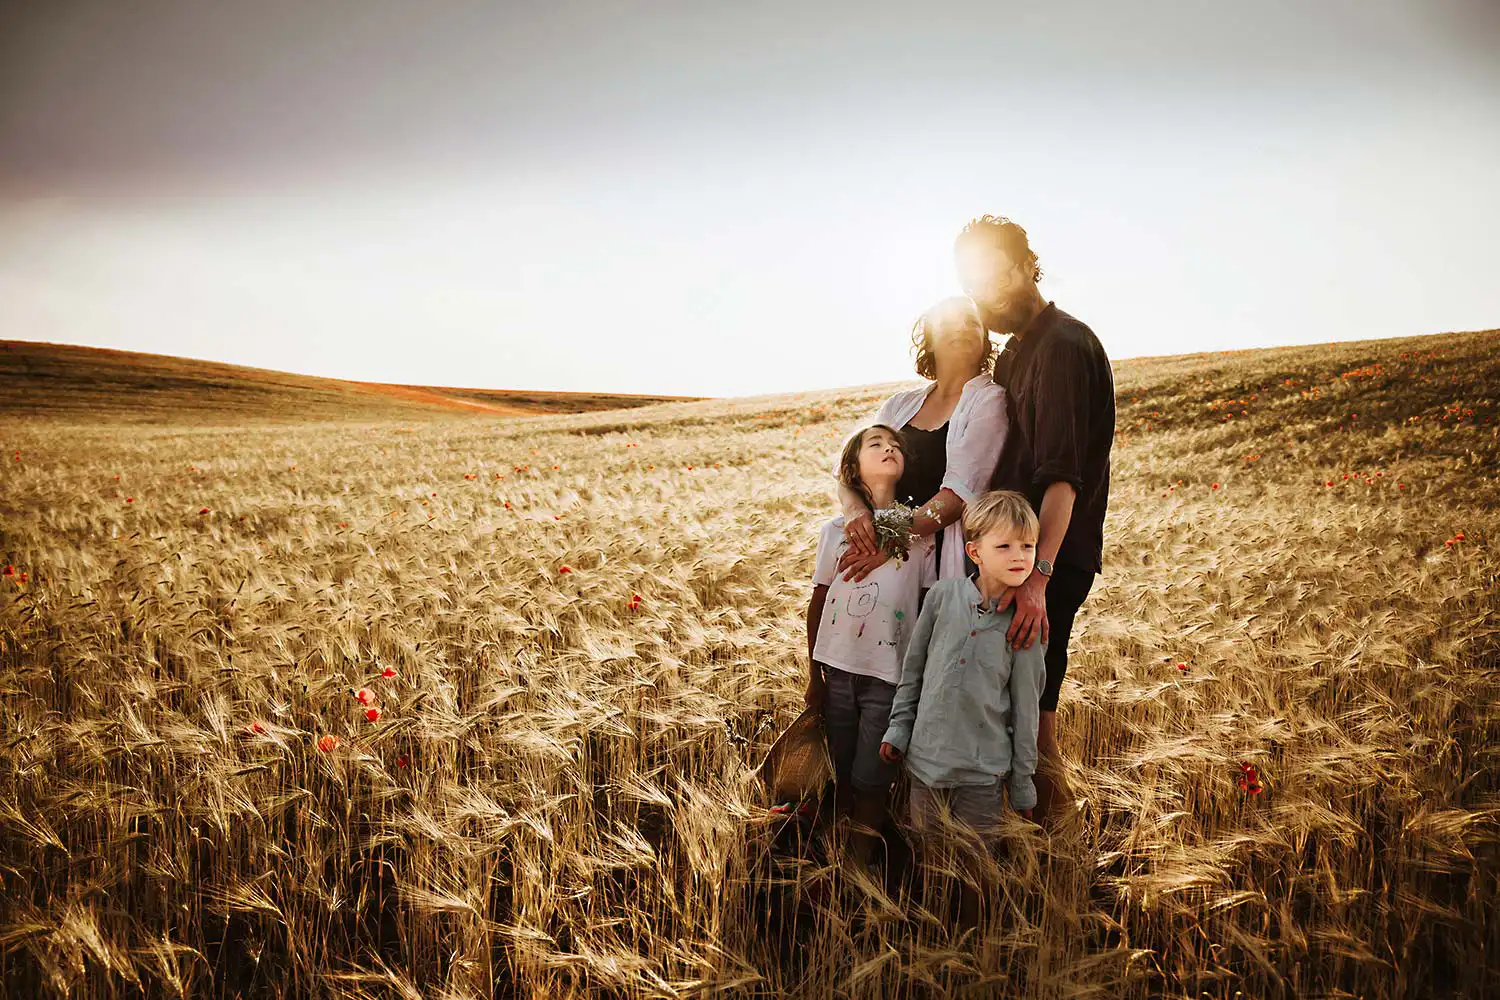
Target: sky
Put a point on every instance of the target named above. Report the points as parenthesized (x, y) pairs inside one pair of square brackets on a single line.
[(729, 199)]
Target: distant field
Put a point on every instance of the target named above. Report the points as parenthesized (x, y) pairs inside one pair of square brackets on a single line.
[(87, 383), (592, 629)]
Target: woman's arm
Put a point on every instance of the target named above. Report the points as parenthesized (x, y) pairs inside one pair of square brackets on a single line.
[(941, 510), (972, 455)]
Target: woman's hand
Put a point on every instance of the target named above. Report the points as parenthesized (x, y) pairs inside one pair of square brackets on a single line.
[(857, 567), (859, 534)]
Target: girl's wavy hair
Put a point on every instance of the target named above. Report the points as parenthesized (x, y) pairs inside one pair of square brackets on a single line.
[(956, 308), (849, 460)]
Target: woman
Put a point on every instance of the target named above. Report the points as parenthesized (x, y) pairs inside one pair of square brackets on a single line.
[(953, 429)]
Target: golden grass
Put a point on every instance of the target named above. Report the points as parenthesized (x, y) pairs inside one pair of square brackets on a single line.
[(558, 799)]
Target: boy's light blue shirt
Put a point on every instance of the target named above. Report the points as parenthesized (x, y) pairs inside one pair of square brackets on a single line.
[(966, 710)]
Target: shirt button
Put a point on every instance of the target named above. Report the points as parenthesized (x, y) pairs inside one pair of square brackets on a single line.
[(971, 634)]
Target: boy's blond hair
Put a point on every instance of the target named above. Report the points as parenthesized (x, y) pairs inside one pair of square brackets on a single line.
[(998, 509)]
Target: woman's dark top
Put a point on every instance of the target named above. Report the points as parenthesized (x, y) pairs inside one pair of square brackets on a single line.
[(926, 464)]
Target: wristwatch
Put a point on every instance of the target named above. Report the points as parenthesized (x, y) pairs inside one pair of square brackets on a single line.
[(1044, 567)]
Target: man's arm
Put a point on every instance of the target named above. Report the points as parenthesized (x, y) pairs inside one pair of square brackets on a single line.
[(1057, 447)]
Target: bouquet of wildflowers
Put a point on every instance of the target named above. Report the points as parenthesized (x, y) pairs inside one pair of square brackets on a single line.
[(893, 530)]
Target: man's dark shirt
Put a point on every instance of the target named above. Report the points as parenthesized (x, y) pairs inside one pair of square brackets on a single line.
[(1060, 397)]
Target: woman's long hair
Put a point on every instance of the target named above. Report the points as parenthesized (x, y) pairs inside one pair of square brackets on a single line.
[(849, 460)]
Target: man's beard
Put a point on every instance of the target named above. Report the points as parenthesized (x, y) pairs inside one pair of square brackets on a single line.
[(1009, 317)]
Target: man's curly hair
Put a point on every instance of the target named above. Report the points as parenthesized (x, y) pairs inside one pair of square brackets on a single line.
[(998, 231), (953, 309)]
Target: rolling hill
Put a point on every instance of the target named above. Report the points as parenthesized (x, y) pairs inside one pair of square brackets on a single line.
[(89, 383)]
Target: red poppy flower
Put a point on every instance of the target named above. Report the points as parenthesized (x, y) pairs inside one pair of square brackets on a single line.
[(328, 743), (1459, 536), (403, 760), (1183, 667), (635, 601), (556, 468), (23, 578), (130, 499), (373, 714), (10, 571), (1214, 486), (565, 569), (257, 728), (507, 505), (365, 696), (388, 673), (203, 511)]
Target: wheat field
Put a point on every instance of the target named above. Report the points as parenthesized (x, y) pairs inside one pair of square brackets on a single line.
[(471, 707)]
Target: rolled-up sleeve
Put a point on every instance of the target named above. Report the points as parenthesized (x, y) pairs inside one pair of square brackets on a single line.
[(1061, 411), (974, 453)]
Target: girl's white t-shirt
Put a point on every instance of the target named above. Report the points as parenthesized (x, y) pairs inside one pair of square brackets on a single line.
[(866, 625)]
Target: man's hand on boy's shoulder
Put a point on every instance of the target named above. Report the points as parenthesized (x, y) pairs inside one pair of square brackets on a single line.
[(1030, 621)]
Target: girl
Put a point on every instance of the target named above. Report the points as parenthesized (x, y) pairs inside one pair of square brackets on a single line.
[(857, 633)]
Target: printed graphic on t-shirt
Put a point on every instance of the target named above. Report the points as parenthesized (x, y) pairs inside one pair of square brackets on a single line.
[(865, 626)]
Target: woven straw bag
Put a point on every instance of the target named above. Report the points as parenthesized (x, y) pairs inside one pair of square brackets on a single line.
[(798, 765)]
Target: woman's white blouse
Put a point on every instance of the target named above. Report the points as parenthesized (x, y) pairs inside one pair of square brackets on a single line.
[(976, 433)]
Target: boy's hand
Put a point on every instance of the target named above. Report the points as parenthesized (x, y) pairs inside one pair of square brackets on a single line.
[(890, 754), (816, 694)]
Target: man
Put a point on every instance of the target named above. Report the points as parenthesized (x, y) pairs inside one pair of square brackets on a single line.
[(1061, 399)]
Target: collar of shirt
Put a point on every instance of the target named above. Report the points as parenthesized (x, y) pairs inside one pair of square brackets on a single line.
[(1025, 340), (981, 609), (1040, 324)]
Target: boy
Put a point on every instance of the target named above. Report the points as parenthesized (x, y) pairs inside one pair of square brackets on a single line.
[(965, 714)]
